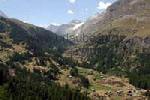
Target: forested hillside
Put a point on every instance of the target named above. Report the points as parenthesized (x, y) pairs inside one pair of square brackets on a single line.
[(121, 44), (112, 63), (118, 55), (28, 56)]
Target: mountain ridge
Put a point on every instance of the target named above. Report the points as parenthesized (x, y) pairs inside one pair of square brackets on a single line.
[(119, 11), (3, 14), (65, 29)]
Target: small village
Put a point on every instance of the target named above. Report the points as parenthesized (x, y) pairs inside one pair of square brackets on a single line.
[(103, 87)]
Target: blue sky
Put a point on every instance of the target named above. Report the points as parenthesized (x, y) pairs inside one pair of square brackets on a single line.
[(45, 12)]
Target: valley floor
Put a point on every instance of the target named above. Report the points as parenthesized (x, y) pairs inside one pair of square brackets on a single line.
[(102, 87)]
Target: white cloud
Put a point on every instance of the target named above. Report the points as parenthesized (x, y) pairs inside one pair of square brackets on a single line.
[(72, 1), (70, 12), (103, 5)]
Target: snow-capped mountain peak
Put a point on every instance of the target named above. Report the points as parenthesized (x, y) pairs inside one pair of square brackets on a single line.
[(66, 28), (78, 25)]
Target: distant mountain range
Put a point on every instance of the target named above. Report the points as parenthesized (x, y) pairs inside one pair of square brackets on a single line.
[(76, 27), (2, 14), (66, 28), (136, 11)]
